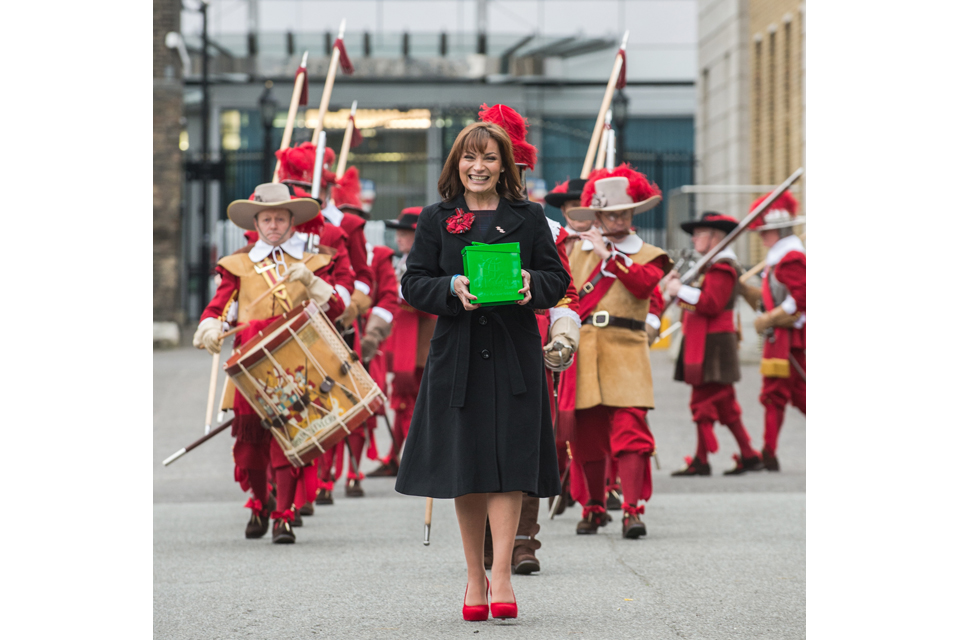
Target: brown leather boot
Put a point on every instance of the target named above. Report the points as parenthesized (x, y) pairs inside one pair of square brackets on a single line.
[(594, 517), (633, 526), (282, 531), (388, 470), (324, 497), (614, 500), (744, 464), (353, 489), (259, 518), (307, 509), (694, 468), (770, 462), (297, 520), (524, 560)]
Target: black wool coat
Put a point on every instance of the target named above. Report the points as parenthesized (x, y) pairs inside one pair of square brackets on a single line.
[(482, 419)]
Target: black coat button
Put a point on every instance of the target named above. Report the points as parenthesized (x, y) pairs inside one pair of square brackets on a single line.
[(482, 320), (485, 354)]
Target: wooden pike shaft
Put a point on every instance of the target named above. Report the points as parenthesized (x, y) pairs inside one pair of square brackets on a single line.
[(211, 392), (197, 443), (347, 138), (601, 155), (426, 522), (604, 105), (327, 90), (291, 115)]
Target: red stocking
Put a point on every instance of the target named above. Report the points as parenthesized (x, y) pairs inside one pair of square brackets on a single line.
[(743, 439), (258, 484), (706, 440), (773, 421), (634, 477), (286, 487), (594, 474)]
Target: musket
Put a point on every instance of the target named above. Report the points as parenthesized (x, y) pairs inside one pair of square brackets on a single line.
[(197, 443), (295, 103), (705, 261), (612, 83)]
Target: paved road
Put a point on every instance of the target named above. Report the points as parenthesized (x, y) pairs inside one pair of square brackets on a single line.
[(724, 556)]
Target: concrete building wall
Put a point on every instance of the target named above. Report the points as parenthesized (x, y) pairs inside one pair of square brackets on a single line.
[(167, 175)]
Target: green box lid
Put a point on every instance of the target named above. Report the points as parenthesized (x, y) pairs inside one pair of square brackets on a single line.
[(493, 271)]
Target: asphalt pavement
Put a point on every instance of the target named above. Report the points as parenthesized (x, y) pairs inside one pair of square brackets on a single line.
[(724, 556)]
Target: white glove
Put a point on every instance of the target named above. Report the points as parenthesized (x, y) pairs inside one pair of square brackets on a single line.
[(319, 291), (298, 272), (565, 332), (208, 336)]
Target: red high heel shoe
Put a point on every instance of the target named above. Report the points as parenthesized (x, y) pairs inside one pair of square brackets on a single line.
[(504, 609), (476, 612)]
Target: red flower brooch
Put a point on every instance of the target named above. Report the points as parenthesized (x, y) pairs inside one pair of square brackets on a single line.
[(460, 222)]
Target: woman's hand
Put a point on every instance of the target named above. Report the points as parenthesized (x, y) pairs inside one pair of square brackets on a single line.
[(461, 287), (527, 297), (599, 243)]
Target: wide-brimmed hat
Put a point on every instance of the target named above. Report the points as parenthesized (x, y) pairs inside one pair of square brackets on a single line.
[(271, 195), (712, 220), (565, 192), (781, 214), (407, 220), (621, 189)]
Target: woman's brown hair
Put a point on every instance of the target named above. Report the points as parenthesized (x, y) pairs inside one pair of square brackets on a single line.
[(474, 138)]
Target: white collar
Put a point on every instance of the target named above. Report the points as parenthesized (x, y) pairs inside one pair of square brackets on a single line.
[(782, 248), (554, 228), (332, 214), (726, 253), (294, 246), (571, 231), (628, 246)]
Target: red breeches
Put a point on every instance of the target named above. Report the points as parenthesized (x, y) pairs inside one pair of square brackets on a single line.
[(620, 432), (714, 403), (775, 395)]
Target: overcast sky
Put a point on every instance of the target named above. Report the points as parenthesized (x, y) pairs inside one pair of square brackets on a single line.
[(649, 21)]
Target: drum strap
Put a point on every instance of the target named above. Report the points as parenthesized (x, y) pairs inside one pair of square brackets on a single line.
[(268, 270)]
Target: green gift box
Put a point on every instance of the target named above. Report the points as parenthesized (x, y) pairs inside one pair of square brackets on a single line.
[(493, 271)]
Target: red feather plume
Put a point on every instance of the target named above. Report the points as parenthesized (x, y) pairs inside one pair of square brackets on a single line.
[(296, 163), (516, 127), (562, 187), (638, 187), (786, 201), (347, 191)]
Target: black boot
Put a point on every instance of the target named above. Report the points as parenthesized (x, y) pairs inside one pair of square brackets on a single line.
[(694, 468)]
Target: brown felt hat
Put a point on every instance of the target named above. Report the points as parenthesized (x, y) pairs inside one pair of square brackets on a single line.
[(271, 195)]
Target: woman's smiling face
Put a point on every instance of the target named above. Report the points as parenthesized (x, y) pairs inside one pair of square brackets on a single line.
[(479, 173)]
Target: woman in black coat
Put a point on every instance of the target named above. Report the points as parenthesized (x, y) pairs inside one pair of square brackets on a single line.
[(481, 430)]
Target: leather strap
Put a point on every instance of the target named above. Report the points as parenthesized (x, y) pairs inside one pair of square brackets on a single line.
[(588, 287), (601, 319)]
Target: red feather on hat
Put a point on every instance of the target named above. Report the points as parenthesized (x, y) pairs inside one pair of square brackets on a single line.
[(347, 191), (638, 187), (785, 202), (296, 163), (516, 127), (562, 187)]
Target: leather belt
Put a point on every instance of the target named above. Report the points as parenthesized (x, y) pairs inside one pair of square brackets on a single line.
[(602, 319)]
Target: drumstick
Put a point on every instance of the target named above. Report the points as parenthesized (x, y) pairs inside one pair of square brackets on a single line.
[(211, 392), (267, 292), (426, 522), (241, 327)]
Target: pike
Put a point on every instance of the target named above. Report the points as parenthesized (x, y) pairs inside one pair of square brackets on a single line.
[(618, 80), (197, 443), (704, 262), (347, 142), (338, 57), (298, 98), (604, 141)]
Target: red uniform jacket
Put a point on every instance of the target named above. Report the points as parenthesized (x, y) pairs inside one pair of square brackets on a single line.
[(352, 226), (791, 272)]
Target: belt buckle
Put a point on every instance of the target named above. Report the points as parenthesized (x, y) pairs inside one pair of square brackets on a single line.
[(597, 321), (588, 287)]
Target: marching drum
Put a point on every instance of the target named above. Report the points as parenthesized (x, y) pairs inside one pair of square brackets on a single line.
[(306, 385)]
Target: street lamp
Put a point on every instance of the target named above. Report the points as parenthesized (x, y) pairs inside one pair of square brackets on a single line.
[(620, 104), (268, 111)]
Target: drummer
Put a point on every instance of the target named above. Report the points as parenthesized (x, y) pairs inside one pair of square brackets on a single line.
[(247, 274)]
